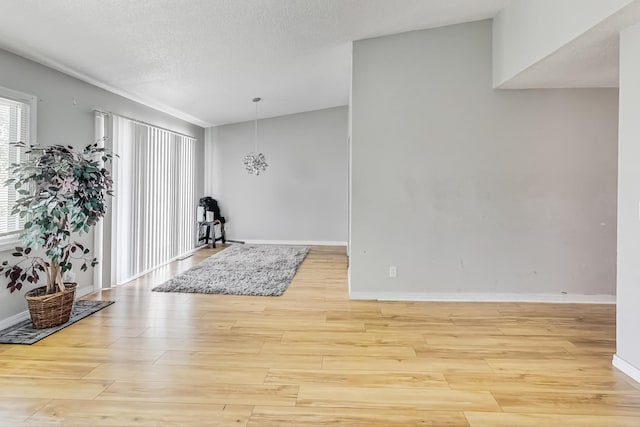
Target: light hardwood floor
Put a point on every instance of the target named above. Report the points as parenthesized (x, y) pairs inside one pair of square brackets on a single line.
[(313, 357)]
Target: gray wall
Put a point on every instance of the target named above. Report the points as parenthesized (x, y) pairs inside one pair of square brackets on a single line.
[(628, 202), (467, 189), (302, 196), (60, 121)]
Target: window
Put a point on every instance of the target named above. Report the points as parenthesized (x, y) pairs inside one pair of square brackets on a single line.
[(17, 123)]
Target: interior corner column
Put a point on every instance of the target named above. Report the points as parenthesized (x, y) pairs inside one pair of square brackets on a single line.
[(627, 357)]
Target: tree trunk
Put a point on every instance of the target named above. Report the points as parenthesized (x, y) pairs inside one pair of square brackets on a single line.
[(54, 279)]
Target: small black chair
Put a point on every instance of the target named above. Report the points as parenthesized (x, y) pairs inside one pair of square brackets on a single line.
[(207, 229)]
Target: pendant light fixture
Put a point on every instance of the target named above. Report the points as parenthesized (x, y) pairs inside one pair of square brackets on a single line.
[(255, 162)]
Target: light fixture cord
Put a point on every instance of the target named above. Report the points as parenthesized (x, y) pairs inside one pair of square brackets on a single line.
[(255, 136)]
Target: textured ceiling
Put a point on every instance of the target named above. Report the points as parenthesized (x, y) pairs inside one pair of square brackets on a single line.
[(204, 60)]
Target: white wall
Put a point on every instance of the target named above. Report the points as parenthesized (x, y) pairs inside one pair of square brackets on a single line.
[(302, 197), (628, 313), (526, 31), (467, 189), (60, 121)]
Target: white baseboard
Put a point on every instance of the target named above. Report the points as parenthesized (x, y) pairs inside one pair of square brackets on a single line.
[(24, 315), (626, 368), (178, 258), (83, 291), (12, 320), (484, 297), (293, 242)]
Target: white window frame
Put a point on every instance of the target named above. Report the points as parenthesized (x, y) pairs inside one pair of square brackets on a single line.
[(9, 241)]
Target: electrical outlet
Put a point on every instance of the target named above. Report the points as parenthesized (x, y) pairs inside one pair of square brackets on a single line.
[(393, 271)]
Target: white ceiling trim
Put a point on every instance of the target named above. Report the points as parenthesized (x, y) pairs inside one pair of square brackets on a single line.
[(48, 62)]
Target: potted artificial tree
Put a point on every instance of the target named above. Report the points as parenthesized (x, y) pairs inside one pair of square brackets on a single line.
[(62, 191)]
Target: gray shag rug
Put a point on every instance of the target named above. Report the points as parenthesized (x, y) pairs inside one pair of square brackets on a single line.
[(263, 270), (25, 333)]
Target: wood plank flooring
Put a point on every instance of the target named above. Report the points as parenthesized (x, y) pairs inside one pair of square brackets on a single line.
[(313, 357)]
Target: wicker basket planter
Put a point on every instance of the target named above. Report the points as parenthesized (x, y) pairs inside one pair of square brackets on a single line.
[(51, 310)]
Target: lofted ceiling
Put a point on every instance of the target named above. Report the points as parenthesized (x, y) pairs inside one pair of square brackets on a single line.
[(204, 60), (589, 60)]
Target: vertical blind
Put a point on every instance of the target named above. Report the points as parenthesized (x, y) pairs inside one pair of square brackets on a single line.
[(14, 127), (154, 211)]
